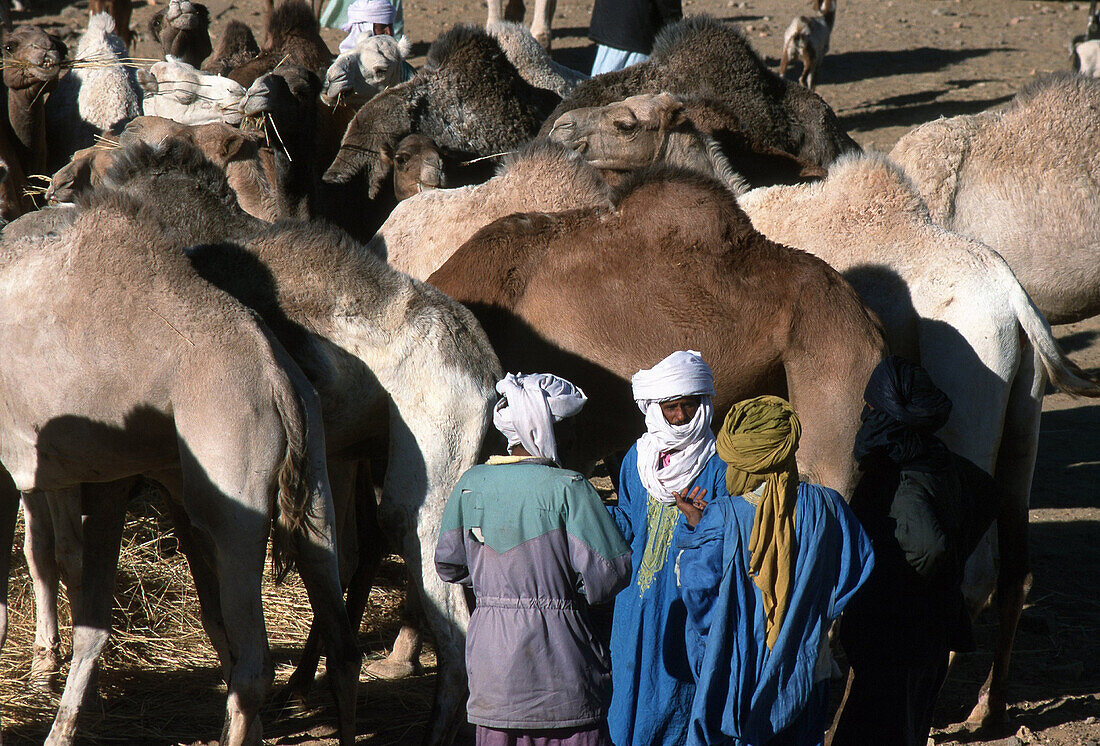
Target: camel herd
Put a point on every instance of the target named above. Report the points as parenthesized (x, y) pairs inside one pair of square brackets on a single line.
[(282, 285)]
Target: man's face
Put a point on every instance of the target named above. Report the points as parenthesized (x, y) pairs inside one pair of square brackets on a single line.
[(680, 411)]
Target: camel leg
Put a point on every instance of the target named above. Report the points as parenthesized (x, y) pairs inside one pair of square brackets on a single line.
[(38, 548), (9, 513), (356, 541), (404, 660), (496, 11), (544, 19), (1015, 469), (106, 507)]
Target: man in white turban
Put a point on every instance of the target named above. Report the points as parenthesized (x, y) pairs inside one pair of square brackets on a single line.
[(537, 546), (673, 461), (366, 18)]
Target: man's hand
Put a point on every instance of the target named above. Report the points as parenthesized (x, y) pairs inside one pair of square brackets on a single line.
[(691, 505)]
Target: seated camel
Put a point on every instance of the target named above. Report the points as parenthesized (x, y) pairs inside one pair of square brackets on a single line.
[(402, 372), (194, 392), (177, 91), (999, 177)]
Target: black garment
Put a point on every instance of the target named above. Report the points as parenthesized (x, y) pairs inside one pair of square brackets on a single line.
[(898, 630), (631, 24)]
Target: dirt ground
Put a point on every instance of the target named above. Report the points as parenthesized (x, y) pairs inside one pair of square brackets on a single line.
[(893, 65)]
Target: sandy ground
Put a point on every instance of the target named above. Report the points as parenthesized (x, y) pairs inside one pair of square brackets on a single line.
[(893, 65)]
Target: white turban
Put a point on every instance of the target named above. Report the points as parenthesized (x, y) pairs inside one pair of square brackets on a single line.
[(362, 15), (530, 406), (689, 446)]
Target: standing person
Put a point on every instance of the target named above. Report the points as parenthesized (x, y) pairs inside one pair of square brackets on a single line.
[(361, 17), (925, 509), (675, 456), (764, 569), (625, 29), (537, 546)]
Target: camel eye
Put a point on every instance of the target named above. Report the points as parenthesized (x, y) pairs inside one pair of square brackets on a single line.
[(401, 160), (9, 48), (624, 125)]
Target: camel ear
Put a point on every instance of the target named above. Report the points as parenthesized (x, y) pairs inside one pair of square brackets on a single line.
[(386, 154), (672, 111), (404, 46), (147, 81), (233, 145)]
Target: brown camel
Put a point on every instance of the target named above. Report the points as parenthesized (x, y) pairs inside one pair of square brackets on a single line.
[(596, 294), (191, 390), (183, 31), (32, 61), (292, 35)]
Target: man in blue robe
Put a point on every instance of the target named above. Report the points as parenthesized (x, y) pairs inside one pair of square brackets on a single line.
[(764, 569), (675, 457)]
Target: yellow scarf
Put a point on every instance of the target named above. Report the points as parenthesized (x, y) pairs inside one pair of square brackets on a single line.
[(758, 441)]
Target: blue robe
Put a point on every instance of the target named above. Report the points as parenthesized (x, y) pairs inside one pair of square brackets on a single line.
[(746, 693), (649, 705)]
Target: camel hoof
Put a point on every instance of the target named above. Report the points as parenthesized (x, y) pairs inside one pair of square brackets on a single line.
[(294, 695), (392, 670), (45, 669), (988, 714)]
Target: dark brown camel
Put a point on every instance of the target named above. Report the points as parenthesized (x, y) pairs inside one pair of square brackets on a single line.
[(597, 294), (32, 61), (292, 36), (183, 31)]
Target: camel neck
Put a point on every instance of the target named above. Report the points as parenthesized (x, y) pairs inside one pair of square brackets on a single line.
[(27, 114)]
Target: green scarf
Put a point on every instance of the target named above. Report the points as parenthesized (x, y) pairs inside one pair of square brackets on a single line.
[(758, 441)]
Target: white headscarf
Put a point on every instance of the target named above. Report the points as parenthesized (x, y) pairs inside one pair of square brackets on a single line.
[(529, 407), (362, 15), (690, 445)]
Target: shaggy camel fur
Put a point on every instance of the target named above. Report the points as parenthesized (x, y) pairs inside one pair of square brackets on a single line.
[(32, 61), (293, 36), (1002, 176), (467, 98), (514, 10), (92, 101), (701, 56), (531, 60), (120, 11), (183, 31), (807, 39), (682, 268), (236, 47), (424, 230), (178, 91), (376, 63), (954, 306), (377, 340), (227, 396)]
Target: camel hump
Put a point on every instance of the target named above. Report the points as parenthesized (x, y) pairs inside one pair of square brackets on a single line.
[(140, 159)]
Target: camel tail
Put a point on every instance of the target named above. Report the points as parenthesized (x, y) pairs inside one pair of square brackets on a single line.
[(1063, 372), (293, 496)]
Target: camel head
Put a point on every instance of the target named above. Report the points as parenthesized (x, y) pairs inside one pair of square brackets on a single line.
[(183, 30), (417, 165), (623, 136), (151, 130), (344, 78), (288, 96), (32, 59), (85, 171), (177, 91), (381, 58), (236, 46), (221, 144), (381, 122)]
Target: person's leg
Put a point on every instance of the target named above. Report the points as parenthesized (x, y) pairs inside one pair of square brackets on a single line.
[(609, 59)]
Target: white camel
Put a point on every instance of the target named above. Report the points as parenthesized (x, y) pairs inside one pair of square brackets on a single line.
[(1023, 180), (177, 91), (377, 62)]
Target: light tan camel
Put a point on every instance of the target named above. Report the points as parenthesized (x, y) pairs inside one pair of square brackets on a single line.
[(1023, 180), (403, 373), (189, 389), (424, 230)]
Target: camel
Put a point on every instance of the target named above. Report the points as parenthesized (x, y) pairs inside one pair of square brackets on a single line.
[(514, 10), (467, 98), (705, 57), (183, 31), (92, 101), (236, 47), (424, 230), (766, 318), (294, 36), (376, 63), (531, 60), (120, 11), (955, 307), (32, 61), (378, 341), (178, 91), (13, 201), (194, 390), (1000, 177)]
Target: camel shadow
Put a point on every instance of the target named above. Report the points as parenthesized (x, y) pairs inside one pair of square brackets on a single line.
[(918, 113), (859, 65), (1078, 340)]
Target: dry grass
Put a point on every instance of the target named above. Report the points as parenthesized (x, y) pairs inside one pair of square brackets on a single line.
[(161, 680)]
